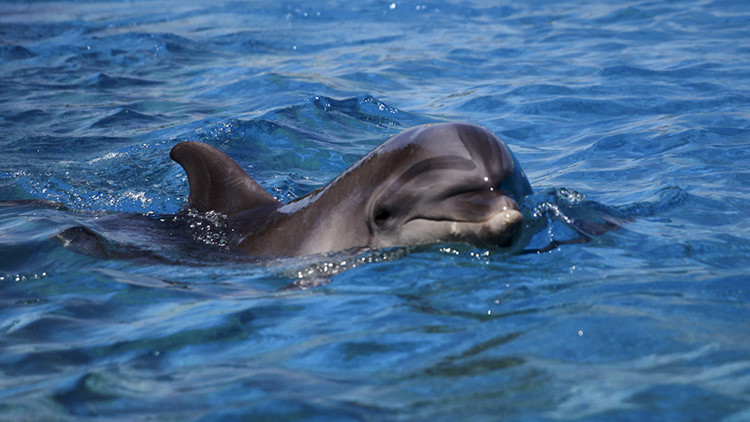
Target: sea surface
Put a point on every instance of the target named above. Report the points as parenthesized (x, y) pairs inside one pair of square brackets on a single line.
[(639, 109)]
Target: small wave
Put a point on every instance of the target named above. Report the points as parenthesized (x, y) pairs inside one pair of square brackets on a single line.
[(14, 52), (243, 42), (104, 81), (156, 45), (571, 106), (125, 117), (665, 199), (516, 96), (559, 216), (320, 120), (362, 109), (688, 70), (28, 117)]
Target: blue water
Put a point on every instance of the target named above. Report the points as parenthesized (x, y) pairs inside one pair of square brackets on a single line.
[(640, 107)]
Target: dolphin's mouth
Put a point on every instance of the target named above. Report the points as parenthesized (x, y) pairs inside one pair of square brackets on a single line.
[(478, 212), (499, 225)]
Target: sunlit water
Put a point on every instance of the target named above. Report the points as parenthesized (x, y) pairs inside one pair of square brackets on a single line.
[(641, 109)]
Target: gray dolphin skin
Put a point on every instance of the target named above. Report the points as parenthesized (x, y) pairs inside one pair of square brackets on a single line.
[(447, 182)]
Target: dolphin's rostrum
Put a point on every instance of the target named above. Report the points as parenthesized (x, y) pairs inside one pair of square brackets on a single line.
[(448, 182)]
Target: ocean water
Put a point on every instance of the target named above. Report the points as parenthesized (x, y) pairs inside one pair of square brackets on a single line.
[(639, 109)]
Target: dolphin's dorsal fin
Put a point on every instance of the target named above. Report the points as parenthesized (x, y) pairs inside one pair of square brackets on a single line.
[(217, 183)]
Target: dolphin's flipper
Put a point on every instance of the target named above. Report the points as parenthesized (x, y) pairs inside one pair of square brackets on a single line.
[(217, 183)]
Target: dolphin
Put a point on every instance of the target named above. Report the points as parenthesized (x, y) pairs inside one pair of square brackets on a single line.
[(446, 182)]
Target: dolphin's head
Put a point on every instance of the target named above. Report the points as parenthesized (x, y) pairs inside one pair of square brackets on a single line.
[(452, 182)]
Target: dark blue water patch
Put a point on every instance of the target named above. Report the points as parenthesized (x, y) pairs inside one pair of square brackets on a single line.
[(610, 35), (105, 81), (664, 200), (597, 100), (568, 107), (244, 42), (609, 47), (34, 116), (124, 118), (259, 88), (14, 52), (487, 103), (15, 256), (662, 399), (338, 44), (32, 33), (373, 81), (514, 96), (689, 71), (46, 362), (718, 16), (542, 90), (414, 70), (505, 52), (627, 14), (624, 145), (129, 49)]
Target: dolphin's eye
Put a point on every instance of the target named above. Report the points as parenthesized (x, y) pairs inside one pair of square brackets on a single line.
[(381, 216)]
